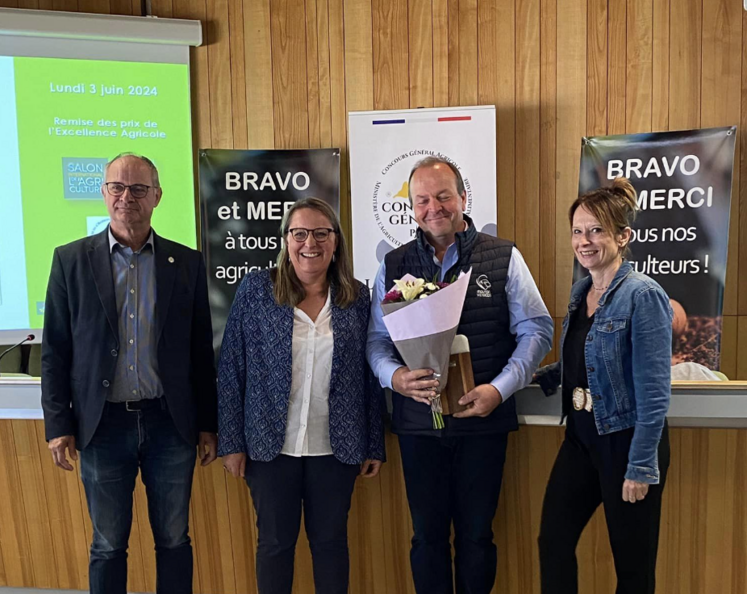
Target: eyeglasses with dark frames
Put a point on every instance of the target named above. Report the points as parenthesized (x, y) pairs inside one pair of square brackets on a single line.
[(138, 191), (320, 234)]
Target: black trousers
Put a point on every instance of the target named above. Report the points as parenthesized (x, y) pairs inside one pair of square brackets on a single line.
[(589, 471), (453, 479), (324, 487)]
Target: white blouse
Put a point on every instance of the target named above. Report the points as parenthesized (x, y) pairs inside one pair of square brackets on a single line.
[(307, 431)]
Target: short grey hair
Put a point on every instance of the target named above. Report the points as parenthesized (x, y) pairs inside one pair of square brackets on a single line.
[(146, 160), (430, 162)]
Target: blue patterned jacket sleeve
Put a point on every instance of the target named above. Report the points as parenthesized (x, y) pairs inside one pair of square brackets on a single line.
[(232, 378)]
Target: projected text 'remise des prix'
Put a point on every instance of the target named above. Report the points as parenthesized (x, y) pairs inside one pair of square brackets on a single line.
[(106, 128)]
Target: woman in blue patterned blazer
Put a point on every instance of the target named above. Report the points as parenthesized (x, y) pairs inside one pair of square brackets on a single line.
[(299, 415)]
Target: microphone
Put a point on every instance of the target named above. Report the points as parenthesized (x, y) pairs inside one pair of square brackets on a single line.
[(15, 346)]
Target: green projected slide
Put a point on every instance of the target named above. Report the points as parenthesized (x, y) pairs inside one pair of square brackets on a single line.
[(61, 120)]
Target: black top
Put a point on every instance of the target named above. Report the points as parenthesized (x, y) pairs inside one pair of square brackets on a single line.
[(574, 356)]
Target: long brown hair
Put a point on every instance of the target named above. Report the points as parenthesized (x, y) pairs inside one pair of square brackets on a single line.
[(287, 288), (615, 207)]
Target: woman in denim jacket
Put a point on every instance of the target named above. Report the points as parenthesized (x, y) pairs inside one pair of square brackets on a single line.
[(616, 351), (299, 412)]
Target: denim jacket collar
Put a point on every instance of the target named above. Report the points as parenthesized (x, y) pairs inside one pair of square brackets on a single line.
[(582, 287)]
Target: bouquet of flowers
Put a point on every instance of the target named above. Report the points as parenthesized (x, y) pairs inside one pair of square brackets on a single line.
[(422, 319)]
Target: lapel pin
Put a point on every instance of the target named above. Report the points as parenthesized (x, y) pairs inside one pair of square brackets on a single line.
[(171, 259)]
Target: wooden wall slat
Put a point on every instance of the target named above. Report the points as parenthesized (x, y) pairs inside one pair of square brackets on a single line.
[(468, 71), (258, 64), (454, 55), (312, 73), (390, 54), (420, 49), (69, 539), (505, 103), (527, 199), (325, 92), (440, 53), (237, 73), (571, 114), (617, 62), (639, 76), (548, 171), (597, 59), (685, 39), (729, 346), (14, 537), (289, 74), (660, 68), (741, 163), (33, 491), (219, 74), (162, 8)]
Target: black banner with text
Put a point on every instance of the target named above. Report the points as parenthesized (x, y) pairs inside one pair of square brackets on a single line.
[(681, 235), (243, 196)]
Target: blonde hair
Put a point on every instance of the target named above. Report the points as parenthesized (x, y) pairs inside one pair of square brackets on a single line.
[(615, 207), (287, 288)]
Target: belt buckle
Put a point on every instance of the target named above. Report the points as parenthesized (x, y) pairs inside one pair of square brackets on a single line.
[(127, 406), (582, 399)]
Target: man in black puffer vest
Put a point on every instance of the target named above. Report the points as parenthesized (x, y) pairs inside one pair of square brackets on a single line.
[(454, 474)]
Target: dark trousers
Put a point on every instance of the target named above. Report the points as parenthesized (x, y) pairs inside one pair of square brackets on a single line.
[(323, 486), (124, 443), (453, 479), (589, 471)]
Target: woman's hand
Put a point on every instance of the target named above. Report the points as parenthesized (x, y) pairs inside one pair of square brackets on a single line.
[(235, 464), (370, 468), (634, 491)]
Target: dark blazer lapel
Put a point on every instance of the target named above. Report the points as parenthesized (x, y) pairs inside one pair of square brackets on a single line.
[(101, 265), (165, 275)]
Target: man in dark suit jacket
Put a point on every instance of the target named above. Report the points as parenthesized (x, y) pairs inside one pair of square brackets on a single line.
[(128, 376)]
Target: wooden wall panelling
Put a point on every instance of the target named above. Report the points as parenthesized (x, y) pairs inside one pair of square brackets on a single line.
[(617, 62), (338, 102), (312, 73), (741, 163), (69, 539), (639, 75), (289, 74), (739, 504), (14, 537), (503, 62), (571, 114), (258, 64), (162, 8), (367, 557), (396, 530), (453, 52), (325, 92), (243, 523), (389, 20), (237, 73), (729, 346), (596, 80), (33, 492), (685, 39), (468, 52), (440, 53), (197, 10), (720, 106), (527, 198), (421, 42), (660, 66), (741, 347), (99, 6), (212, 530), (547, 171)]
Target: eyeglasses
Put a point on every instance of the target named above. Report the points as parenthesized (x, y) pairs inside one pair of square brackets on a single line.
[(321, 234), (136, 190)]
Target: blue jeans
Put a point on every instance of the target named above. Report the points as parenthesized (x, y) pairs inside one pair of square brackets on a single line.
[(453, 479), (125, 442)]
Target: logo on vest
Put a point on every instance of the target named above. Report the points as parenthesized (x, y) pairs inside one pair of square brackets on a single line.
[(483, 286)]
